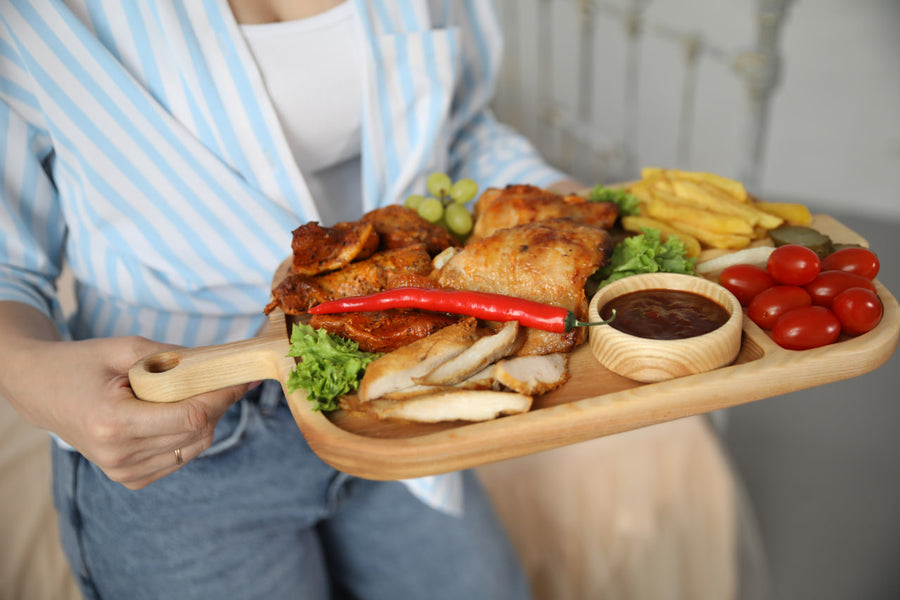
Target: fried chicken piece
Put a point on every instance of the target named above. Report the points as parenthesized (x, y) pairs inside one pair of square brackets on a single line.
[(397, 371), (517, 204), (487, 350), (320, 249), (533, 375), (546, 261), (385, 330), (377, 272), (398, 226), (416, 280), (297, 293), (447, 405)]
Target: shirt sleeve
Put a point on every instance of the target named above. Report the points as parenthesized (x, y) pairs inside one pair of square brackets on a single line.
[(482, 148), (32, 229)]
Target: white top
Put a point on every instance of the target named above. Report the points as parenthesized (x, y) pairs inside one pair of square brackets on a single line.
[(318, 100)]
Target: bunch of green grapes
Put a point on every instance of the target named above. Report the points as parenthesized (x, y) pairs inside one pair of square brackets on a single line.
[(446, 204)]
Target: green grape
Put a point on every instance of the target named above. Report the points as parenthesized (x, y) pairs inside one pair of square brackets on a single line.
[(431, 209), (438, 184), (458, 219), (463, 190), (413, 201)]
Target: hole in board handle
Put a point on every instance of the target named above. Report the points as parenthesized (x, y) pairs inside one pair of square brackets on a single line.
[(161, 363)]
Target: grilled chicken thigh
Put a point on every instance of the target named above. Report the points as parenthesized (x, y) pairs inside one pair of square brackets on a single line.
[(514, 205), (320, 249), (546, 261), (389, 247), (297, 293), (398, 227)]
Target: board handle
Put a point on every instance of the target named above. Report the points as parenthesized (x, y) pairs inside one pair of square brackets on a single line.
[(179, 374)]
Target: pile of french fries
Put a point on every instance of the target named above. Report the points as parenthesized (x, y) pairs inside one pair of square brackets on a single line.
[(706, 210)]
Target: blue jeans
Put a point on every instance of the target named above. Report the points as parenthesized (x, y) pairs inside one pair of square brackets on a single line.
[(258, 515)]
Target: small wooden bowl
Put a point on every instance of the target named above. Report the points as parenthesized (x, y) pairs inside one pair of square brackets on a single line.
[(648, 360)]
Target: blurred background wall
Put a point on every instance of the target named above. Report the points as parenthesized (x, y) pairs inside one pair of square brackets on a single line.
[(605, 87), (800, 99)]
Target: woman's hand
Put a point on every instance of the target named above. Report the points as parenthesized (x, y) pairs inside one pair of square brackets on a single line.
[(80, 391)]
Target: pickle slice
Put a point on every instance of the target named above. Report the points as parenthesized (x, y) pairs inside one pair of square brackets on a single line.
[(820, 243)]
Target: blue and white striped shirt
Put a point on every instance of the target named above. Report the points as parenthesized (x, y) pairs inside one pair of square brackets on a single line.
[(139, 145)]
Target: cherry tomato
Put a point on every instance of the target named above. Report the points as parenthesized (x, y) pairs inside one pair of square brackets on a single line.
[(859, 310), (745, 281), (793, 264), (828, 284), (861, 261), (805, 328), (770, 304)]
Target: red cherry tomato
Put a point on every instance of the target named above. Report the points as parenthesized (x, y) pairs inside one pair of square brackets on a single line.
[(745, 281), (805, 328), (793, 264), (861, 261), (859, 310), (770, 304), (828, 284)]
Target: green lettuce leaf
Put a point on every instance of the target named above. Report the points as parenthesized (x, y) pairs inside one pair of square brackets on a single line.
[(330, 366), (628, 204), (645, 253)]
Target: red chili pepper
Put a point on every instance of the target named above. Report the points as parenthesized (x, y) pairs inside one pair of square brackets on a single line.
[(483, 305)]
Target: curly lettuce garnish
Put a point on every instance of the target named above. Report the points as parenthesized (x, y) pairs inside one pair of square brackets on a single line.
[(645, 253), (628, 204), (330, 366)]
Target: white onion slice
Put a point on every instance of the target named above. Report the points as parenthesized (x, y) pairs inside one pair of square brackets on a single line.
[(749, 256)]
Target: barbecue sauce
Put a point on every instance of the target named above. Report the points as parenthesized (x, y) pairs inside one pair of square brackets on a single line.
[(664, 314)]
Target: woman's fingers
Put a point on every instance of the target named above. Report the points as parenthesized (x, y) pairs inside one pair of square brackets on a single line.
[(146, 449), (162, 464), (197, 415), (87, 400)]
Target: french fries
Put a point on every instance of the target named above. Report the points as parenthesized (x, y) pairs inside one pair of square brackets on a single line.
[(713, 239), (717, 201), (733, 188), (712, 210), (637, 223), (793, 213), (670, 209)]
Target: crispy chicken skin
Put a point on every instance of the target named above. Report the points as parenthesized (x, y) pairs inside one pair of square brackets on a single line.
[(514, 205), (547, 261), (297, 293), (398, 226), (320, 249)]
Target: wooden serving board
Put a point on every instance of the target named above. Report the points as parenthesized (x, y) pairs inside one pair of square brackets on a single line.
[(593, 403)]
